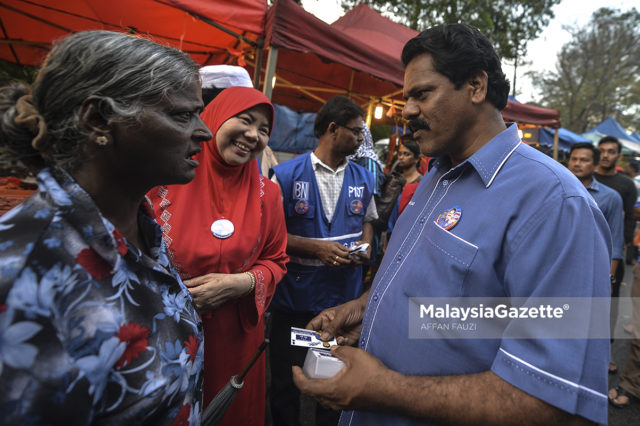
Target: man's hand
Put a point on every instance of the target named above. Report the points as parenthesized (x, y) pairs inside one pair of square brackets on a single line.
[(212, 290), (359, 385), (342, 321), (360, 257), (332, 253)]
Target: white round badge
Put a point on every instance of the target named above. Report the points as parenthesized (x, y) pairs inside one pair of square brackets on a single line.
[(222, 228)]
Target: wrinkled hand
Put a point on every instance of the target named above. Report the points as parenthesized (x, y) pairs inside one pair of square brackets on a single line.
[(360, 385), (361, 258), (332, 253), (212, 290), (343, 321)]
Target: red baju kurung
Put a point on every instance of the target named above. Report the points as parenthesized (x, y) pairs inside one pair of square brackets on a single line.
[(253, 204)]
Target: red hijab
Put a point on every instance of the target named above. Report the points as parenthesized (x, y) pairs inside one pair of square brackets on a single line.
[(218, 191)]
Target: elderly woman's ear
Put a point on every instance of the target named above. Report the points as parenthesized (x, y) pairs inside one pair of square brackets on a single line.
[(94, 117)]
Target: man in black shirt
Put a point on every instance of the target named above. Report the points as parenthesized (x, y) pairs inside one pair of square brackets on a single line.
[(606, 173)]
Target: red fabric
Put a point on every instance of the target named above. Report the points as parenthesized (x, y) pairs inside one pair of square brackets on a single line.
[(235, 330), (29, 27), (246, 15), (374, 30), (529, 114), (315, 54), (407, 192), (423, 167)]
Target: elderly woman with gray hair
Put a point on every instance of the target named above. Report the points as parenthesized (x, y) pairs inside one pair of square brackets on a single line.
[(95, 325)]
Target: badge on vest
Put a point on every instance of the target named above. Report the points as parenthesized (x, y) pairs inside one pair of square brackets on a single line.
[(449, 218), (301, 207), (301, 190), (355, 206)]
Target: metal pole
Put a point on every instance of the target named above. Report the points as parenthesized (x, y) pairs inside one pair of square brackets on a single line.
[(272, 62), (369, 113), (555, 144), (257, 68)]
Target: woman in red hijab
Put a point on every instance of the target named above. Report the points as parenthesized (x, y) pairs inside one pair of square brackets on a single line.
[(227, 236)]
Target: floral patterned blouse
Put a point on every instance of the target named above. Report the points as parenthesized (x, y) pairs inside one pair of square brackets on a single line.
[(92, 330)]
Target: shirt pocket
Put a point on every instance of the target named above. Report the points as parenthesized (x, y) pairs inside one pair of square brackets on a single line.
[(449, 258)]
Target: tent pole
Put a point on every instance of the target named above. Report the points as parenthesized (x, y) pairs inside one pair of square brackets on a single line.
[(555, 144), (350, 83), (272, 61), (257, 68), (369, 113)]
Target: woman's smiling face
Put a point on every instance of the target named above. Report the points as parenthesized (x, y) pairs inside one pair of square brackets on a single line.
[(244, 136)]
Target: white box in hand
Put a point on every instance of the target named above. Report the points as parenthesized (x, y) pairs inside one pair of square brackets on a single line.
[(321, 364)]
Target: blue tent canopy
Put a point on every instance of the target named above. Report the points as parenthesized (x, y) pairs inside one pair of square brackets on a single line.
[(292, 131), (611, 127), (636, 135), (566, 138)]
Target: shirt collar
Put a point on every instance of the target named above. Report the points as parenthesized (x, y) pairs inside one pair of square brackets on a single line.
[(315, 161), (489, 159), (73, 203), (594, 186)]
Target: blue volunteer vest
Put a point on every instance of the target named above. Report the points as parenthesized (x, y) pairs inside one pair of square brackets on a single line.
[(309, 286)]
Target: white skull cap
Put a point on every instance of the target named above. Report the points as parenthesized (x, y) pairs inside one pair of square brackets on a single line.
[(223, 76)]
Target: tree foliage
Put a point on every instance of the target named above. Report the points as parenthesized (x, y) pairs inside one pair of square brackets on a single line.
[(597, 73), (509, 24)]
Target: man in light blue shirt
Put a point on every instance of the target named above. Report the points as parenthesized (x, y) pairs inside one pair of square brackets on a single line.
[(491, 218), (583, 159)]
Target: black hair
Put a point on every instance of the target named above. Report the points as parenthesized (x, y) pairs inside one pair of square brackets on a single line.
[(460, 52), (412, 146), (589, 146), (209, 94), (339, 110), (611, 139), (126, 72)]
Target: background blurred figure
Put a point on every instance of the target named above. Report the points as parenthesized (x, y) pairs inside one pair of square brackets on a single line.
[(366, 157), (95, 325), (226, 233), (606, 173), (583, 160), (409, 157)]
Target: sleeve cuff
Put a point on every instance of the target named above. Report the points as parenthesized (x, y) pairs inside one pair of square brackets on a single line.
[(554, 390)]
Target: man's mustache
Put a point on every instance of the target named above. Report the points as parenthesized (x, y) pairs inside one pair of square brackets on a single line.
[(418, 124)]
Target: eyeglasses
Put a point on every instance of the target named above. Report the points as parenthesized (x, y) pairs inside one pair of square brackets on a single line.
[(355, 130)]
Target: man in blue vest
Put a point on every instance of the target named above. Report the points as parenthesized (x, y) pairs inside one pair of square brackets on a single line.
[(492, 219), (328, 207)]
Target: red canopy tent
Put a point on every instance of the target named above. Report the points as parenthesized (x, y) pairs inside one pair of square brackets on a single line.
[(537, 116), (358, 55), (225, 30), (314, 61), (523, 113), (372, 29)]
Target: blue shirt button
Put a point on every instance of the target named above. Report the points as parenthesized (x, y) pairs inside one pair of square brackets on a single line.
[(445, 182), (399, 258), (362, 342), (423, 220), (375, 297)]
